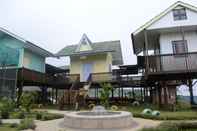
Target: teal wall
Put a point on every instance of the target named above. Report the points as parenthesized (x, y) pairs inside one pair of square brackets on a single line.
[(27, 58), (33, 61), (13, 43)]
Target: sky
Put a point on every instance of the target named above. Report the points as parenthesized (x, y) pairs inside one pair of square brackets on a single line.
[(53, 24)]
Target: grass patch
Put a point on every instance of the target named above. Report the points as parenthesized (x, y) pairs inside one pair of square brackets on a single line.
[(165, 115), (7, 127), (174, 126), (39, 115)]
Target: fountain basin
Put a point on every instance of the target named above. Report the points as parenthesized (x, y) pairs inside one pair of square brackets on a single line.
[(92, 120)]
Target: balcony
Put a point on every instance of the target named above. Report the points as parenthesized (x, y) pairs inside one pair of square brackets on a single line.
[(30, 77), (172, 63), (102, 77)]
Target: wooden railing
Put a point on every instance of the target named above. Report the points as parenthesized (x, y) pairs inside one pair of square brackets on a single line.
[(172, 62), (66, 78), (110, 77), (102, 77), (30, 75), (43, 78)]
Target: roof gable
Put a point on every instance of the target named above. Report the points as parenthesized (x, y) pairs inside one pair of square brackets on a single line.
[(28, 45), (162, 14), (84, 44)]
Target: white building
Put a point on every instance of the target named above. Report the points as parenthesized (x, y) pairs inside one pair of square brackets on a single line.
[(170, 38), (166, 47)]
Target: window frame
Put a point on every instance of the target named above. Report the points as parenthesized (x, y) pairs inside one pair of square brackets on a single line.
[(185, 45), (179, 15)]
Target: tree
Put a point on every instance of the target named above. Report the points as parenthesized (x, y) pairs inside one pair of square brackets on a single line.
[(105, 93)]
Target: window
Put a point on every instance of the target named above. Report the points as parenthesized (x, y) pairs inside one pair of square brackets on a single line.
[(179, 46), (179, 14)]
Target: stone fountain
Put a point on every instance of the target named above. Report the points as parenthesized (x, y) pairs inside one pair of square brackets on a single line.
[(98, 118)]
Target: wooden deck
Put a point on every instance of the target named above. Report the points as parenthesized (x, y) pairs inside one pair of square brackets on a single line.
[(171, 66), (34, 78)]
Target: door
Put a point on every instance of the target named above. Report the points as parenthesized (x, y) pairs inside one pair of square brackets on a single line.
[(86, 71)]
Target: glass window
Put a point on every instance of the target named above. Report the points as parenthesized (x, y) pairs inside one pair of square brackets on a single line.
[(179, 14), (179, 46)]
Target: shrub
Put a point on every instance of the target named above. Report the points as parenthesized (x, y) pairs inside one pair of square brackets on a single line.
[(14, 125), (46, 116), (38, 116), (114, 108), (27, 100), (5, 114), (135, 103), (21, 115), (27, 124), (156, 113), (6, 105), (91, 106), (182, 105), (147, 112)]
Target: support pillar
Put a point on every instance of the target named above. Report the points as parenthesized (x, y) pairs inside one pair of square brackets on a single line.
[(56, 94), (20, 92), (191, 92)]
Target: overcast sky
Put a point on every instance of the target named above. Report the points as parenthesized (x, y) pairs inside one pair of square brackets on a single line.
[(53, 24)]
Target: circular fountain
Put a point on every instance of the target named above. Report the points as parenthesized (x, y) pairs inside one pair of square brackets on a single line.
[(98, 118)]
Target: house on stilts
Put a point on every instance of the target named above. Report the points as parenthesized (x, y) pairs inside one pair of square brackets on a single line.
[(22, 65), (166, 49)]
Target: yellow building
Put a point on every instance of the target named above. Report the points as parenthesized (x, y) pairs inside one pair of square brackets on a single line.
[(87, 57)]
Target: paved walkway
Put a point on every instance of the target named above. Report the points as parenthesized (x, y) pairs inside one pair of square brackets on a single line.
[(58, 125)]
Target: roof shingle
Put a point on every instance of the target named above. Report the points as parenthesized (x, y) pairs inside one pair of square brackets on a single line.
[(97, 47)]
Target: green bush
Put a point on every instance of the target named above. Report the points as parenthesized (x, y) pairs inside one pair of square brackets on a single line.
[(41, 115), (20, 115), (14, 125), (38, 116), (27, 100), (6, 106), (182, 105), (5, 114), (46, 116), (27, 124)]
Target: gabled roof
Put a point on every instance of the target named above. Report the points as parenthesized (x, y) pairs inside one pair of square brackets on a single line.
[(97, 47), (162, 14), (29, 45)]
